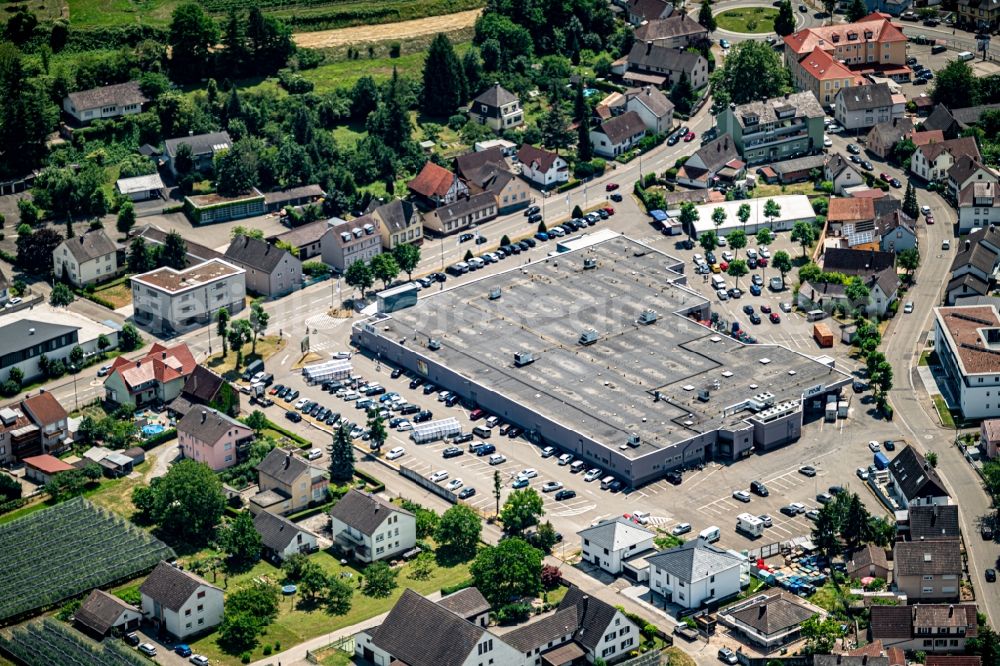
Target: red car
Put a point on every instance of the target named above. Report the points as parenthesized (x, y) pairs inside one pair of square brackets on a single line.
[(884, 176), (476, 414), (929, 219), (723, 266), (775, 318), (766, 309), (609, 210), (690, 137), (762, 261), (611, 187)]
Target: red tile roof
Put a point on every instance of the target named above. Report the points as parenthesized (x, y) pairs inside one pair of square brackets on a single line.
[(47, 464), (953, 660), (924, 138), (44, 408), (822, 66), (432, 181), (162, 364), (882, 31), (850, 209)]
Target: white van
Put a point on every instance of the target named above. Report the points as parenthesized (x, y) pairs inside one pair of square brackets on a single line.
[(815, 315), (607, 481), (710, 534), (718, 282), (966, 56), (577, 466), (314, 454), (565, 459)]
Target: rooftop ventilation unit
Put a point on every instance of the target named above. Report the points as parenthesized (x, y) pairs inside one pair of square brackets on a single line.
[(778, 411), (633, 440), (523, 358), (703, 395), (589, 264), (648, 317), (494, 293), (588, 337), (716, 385), (761, 401), (434, 344)]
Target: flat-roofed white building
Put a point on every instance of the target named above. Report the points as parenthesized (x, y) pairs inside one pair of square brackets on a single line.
[(140, 188), (167, 301), (967, 339), (794, 208)]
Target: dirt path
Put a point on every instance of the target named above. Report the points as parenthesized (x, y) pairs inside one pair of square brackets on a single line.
[(387, 31)]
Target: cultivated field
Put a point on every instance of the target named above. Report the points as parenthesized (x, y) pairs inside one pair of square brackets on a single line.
[(48, 642)]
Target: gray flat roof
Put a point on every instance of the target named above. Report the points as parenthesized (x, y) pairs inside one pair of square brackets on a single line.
[(604, 390)]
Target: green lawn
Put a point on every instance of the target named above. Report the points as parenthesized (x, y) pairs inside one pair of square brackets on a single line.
[(294, 626), (345, 73), (747, 19), (943, 412)]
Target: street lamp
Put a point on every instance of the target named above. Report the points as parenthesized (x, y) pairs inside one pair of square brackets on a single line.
[(76, 399)]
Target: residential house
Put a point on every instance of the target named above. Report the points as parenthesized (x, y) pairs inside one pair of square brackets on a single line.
[(937, 521), (845, 660), (488, 171), (400, 223), (36, 425), (168, 301), (469, 604), (824, 76), (844, 211), (661, 66), (542, 167), (979, 15), (912, 480), (306, 240), (941, 119), (203, 148), (896, 232), (270, 270), (893, 655), (776, 129), (462, 214), (934, 160), (989, 437), (498, 108), (102, 614), (179, 602), (155, 237), (966, 339), (675, 32), (967, 170), (640, 11), (842, 173), (972, 116), (978, 206), (371, 528), (974, 266), (771, 619), (346, 242), (435, 186), (281, 538), (23, 341), (655, 108), (42, 469), (695, 574), (120, 99), (925, 628), (883, 136), (213, 438), (156, 378), (140, 188), (294, 197), (953, 660), (205, 388), (603, 631), (287, 484), (868, 561), (89, 258), (617, 135), (872, 45), (419, 632), (865, 106), (610, 542)]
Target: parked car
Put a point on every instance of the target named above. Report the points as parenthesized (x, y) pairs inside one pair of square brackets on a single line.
[(467, 492), (681, 528), (741, 495), (564, 495), (397, 452), (874, 446), (807, 470), (439, 476), (452, 452), (454, 485), (727, 656), (551, 486)]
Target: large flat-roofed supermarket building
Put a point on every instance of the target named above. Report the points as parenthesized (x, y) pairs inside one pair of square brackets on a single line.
[(637, 399)]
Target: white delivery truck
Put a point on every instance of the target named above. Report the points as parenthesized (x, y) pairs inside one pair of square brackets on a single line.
[(752, 526)]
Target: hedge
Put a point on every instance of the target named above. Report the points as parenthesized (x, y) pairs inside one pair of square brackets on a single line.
[(158, 439), (299, 439), (94, 298), (568, 186), (452, 589), (376, 484)]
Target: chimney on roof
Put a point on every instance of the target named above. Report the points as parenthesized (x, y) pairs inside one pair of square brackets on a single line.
[(649, 47), (31, 331), (138, 362), (204, 415), (951, 610), (164, 355), (288, 459), (968, 244)]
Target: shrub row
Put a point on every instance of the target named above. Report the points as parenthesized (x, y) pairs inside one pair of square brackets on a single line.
[(155, 440), (452, 589), (298, 439), (568, 186)]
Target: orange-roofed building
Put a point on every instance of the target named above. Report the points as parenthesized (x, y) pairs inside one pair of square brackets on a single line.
[(822, 75), (924, 138), (435, 186), (41, 469), (157, 377)]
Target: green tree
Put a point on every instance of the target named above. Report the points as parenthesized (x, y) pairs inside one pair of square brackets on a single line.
[(682, 94), (174, 252), (61, 295), (10, 489), (187, 502), (407, 258), (772, 209), (427, 521), (908, 260), (932, 459), (311, 579), (855, 527), (385, 268), (259, 319), (782, 262), (364, 97), (857, 293), (509, 570), (238, 631), (26, 119), (192, 35), (856, 11), (584, 149), (237, 169), (239, 334), (256, 421), (522, 510), (380, 580), (222, 328), (376, 429), (718, 217), (472, 67), (708, 241), (737, 269), (391, 122), (497, 486), (34, 249), (821, 635), (737, 240), (76, 356), (804, 233), (126, 217), (881, 382), (445, 85), (359, 275), (956, 86), (705, 17), (555, 129), (784, 23), (910, 207), (458, 532), (129, 338), (764, 236), (337, 596), (743, 214), (240, 541), (342, 456), (752, 71), (688, 217)]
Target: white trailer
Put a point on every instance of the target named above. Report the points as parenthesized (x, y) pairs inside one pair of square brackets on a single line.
[(432, 431), (750, 525), (339, 368)]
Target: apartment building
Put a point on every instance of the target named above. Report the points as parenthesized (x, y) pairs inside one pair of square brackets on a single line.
[(167, 301)]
